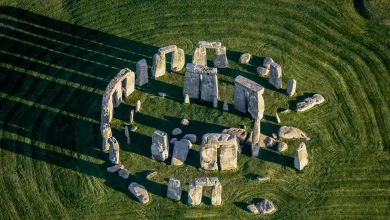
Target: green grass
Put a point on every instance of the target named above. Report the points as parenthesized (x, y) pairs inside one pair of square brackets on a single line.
[(57, 57)]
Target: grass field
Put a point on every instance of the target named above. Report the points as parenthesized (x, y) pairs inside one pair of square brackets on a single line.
[(57, 57)]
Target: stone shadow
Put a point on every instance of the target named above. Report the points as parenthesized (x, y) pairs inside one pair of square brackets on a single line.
[(274, 157), (241, 205)]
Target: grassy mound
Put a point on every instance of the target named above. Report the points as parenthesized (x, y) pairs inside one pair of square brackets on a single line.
[(57, 57)]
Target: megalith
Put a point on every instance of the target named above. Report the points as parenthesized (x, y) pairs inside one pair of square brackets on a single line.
[(159, 60), (200, 79), (141, 73), (160, 145), (140, 192), (310, 102), (275, 76), (245, 58), (248, 97), (291, 87), (192, 80), (180, 152), (174, 189), (209, 86), (255, 145), (106, 134), (301, 157), (195, 190), (114, 150), (200, 56)]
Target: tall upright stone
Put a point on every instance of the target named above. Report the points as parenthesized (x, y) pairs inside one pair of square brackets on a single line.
[(291, 87), (174, 189), (180, 152), (114, 150), (160, 145), (301, 157), (192, 80), (255, 145), (220, 58), (138, 106), (199, 57), (159, 67), (131, 117), (275, 76), (141, 73), (248, 97), (127, 134), (178, 59), (106, 133), (209, 86), (245, 58), (216, 194), (194, 193)]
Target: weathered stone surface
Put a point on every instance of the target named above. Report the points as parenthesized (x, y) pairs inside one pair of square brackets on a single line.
[(206, 181), (262, 71), (131, 117), (266, 207), (291, 87), (239, 132), (192, 80), (151, 175), (191, 137), (124, 173), (114, 150), (194, 194), (158, 68), (160, 146), (220, 58), (180, 152), (245, 58), (291, 133), (106, 133), (162, 94), (225, 106), (216, 194), (277, 118), (127, 135), (266, 141), (308, 103), (301, 157), (141, 73), (229, 146), (209, 44), (140, 192), (275, 76), (133, 128), (255, 145), (199, 57), (174, 189), (173, 141), (186, 99), (267, 62), (138, 106), (253, 209), (248, 97), (282, 146), (274, 135), (209, 85), (115, 168), (215, 102), (178, 60), (167, 49), (176, 131), (185, 122)]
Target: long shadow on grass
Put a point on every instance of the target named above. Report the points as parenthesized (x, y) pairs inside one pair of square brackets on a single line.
[(274, 157)]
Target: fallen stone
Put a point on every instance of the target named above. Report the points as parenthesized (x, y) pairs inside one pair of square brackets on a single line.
[(262, 178), (176, 131), (174, 189), (275, 76), (252, 208), (151, 175), (186, 99), (265, 207), (161, 94), (262, 71), (282, 146), (115, 168), (244, 58), (124, 173), (173, 141), (291, 133), (225, 106), (138, 106), (291, 87), (239, 132), (301, 157), (267, 62), (180, 152), (140, 192), (185, 122), (277, 118), (191, 137), (308, 103), (266, 141), (133, 128)]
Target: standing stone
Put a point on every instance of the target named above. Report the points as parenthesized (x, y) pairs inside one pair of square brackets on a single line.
[(244, 58), (262, 71), (248, 97), (159, 67), (140, 192), (200, 57), (301, 160), (174, 189), (255, 145), (275, 76), (228, 157), (114, 150), (194, 193), (138, 106), (186, 99), (291, 86), (131, 116), (178, 60), (160, 146), (127, 135), (265, 207), (106, 133), (192, 80), (180, 152), (308, 103), (267, 62), (209, 85), (225, 106), (215, 102), (216, 194), (208, 157), (220, 58), (141, 73), (277, 118)]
